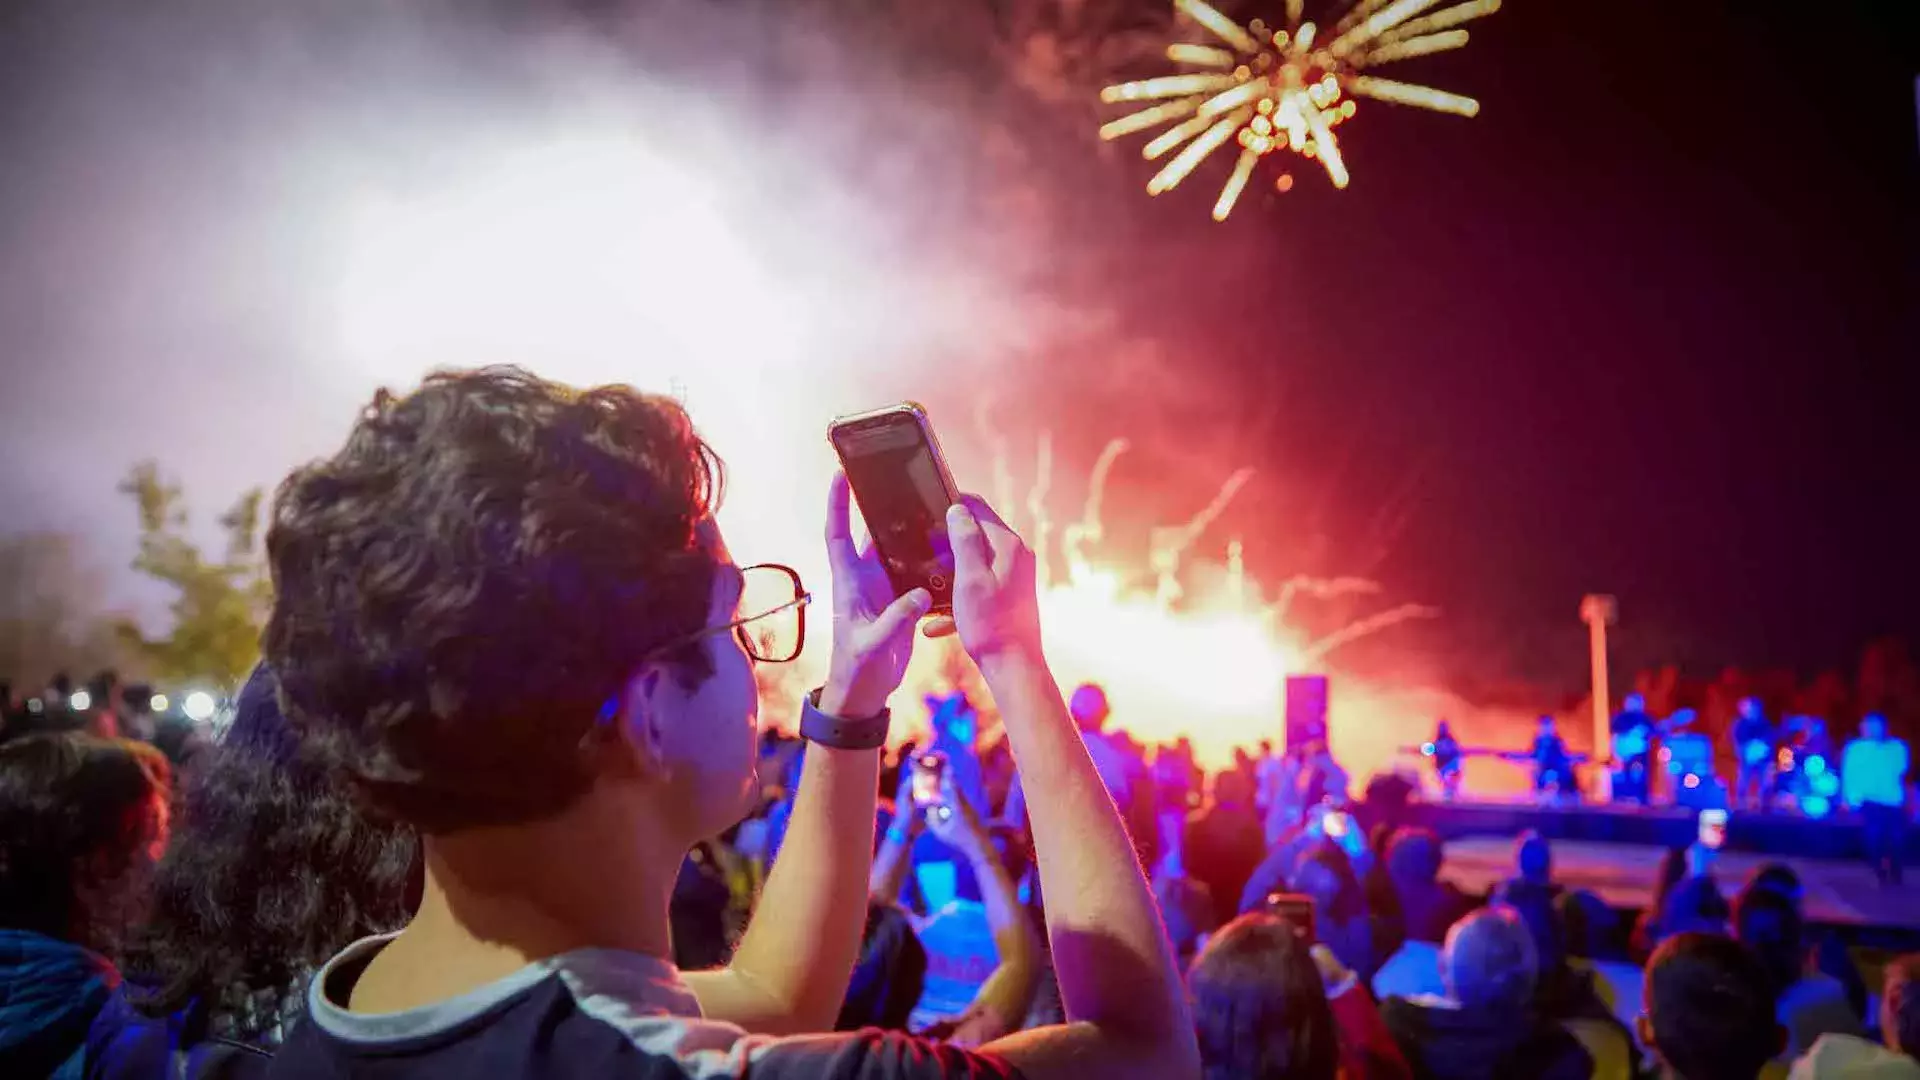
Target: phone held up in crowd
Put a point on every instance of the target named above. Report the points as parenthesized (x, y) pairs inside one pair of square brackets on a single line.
[(899, 476), (1713, 829), (929, 777), (1296, 911)]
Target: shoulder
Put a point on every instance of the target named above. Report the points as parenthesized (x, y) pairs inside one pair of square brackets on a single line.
[(873, 1055), (126, 1043)]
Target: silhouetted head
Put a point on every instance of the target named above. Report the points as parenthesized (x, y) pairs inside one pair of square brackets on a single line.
[(1900, 1005), (1414, 856), (1489, 960), (1089, 706), (83, 822), (1709, 1009), (1770, 925), (1259, 1009), (1533, 858)]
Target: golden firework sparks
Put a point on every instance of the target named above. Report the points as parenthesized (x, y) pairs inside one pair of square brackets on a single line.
[(1285, 88)]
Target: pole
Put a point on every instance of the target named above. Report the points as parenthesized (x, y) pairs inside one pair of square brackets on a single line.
[(1597, 612)]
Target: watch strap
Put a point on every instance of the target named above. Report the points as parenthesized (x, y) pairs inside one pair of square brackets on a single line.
[(839, 732)]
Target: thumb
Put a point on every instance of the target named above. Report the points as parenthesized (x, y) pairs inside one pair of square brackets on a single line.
[(972, 555), (900, 615)]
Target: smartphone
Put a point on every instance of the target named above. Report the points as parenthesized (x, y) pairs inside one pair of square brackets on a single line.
[(1337, 824), (1296, 911), (1713, 829), (928, 772), (899, 477)]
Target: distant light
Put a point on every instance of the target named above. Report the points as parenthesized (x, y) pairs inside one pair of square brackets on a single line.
[(81, 701), (159, 703), (1816, 806), (35, 705), (1426, 748), (1816, 765), (199, 705), (1692, 781)]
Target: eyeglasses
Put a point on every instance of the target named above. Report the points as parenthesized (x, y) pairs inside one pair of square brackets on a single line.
[(770, 622)]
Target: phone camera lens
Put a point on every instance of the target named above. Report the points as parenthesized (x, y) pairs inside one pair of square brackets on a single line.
[(938, 581)]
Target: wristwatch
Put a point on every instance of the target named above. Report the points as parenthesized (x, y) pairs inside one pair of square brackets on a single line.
[(839, 732)]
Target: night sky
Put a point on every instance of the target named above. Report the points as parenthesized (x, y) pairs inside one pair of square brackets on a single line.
[(1648, 325)]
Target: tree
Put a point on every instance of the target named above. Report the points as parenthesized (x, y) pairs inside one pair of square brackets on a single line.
[(49, 602), (219, 604)]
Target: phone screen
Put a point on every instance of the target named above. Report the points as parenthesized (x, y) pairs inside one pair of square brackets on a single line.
[(1295, 910), (1336, 824), (900, 480), (1713, 829), (927, 772)]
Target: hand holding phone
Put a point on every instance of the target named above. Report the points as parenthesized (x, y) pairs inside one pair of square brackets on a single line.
[(929, 770), (872, 627), (900, 478)]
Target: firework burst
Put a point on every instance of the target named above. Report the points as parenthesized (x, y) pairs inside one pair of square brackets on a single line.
[(1268, 88)]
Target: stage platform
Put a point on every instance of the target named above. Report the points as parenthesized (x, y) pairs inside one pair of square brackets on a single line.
[(1838, 894), (1777, 834), (1615, 853)]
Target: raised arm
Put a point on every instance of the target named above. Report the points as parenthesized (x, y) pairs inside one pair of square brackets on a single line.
[(895, 857), (1126, 1007), (1002, 1003), (791, 970)]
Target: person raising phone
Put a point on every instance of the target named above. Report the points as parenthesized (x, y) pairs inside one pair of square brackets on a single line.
[(505, 606)]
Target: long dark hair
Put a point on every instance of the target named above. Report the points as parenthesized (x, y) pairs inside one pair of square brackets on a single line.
[(1259, 1009), (274, 868)]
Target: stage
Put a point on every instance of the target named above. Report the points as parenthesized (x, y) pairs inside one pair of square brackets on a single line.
[(1615, 853), (1777, 834)]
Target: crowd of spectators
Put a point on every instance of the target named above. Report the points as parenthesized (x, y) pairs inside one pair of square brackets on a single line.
[(493, 804)]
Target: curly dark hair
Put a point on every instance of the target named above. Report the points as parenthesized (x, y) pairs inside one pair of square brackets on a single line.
[(273, 869), (74, 809), (460, 590), (1259, 1009)]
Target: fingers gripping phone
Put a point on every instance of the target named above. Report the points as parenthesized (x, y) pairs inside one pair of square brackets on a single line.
[(899, 477)]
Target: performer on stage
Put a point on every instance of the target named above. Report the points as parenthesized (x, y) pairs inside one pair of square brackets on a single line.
[(1632, 749), (1873, 781), (1755, 742), (1552, 764), (1446, 755)]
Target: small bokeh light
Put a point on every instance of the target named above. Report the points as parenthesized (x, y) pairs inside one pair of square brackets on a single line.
[(81, 701), (199, 706), (159, 703)]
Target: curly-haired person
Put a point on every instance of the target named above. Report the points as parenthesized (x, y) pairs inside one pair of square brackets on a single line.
[(504, 605), (274, 867)]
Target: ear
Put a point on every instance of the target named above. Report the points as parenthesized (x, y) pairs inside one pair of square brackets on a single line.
[(1643, 1026), (634, 728)]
